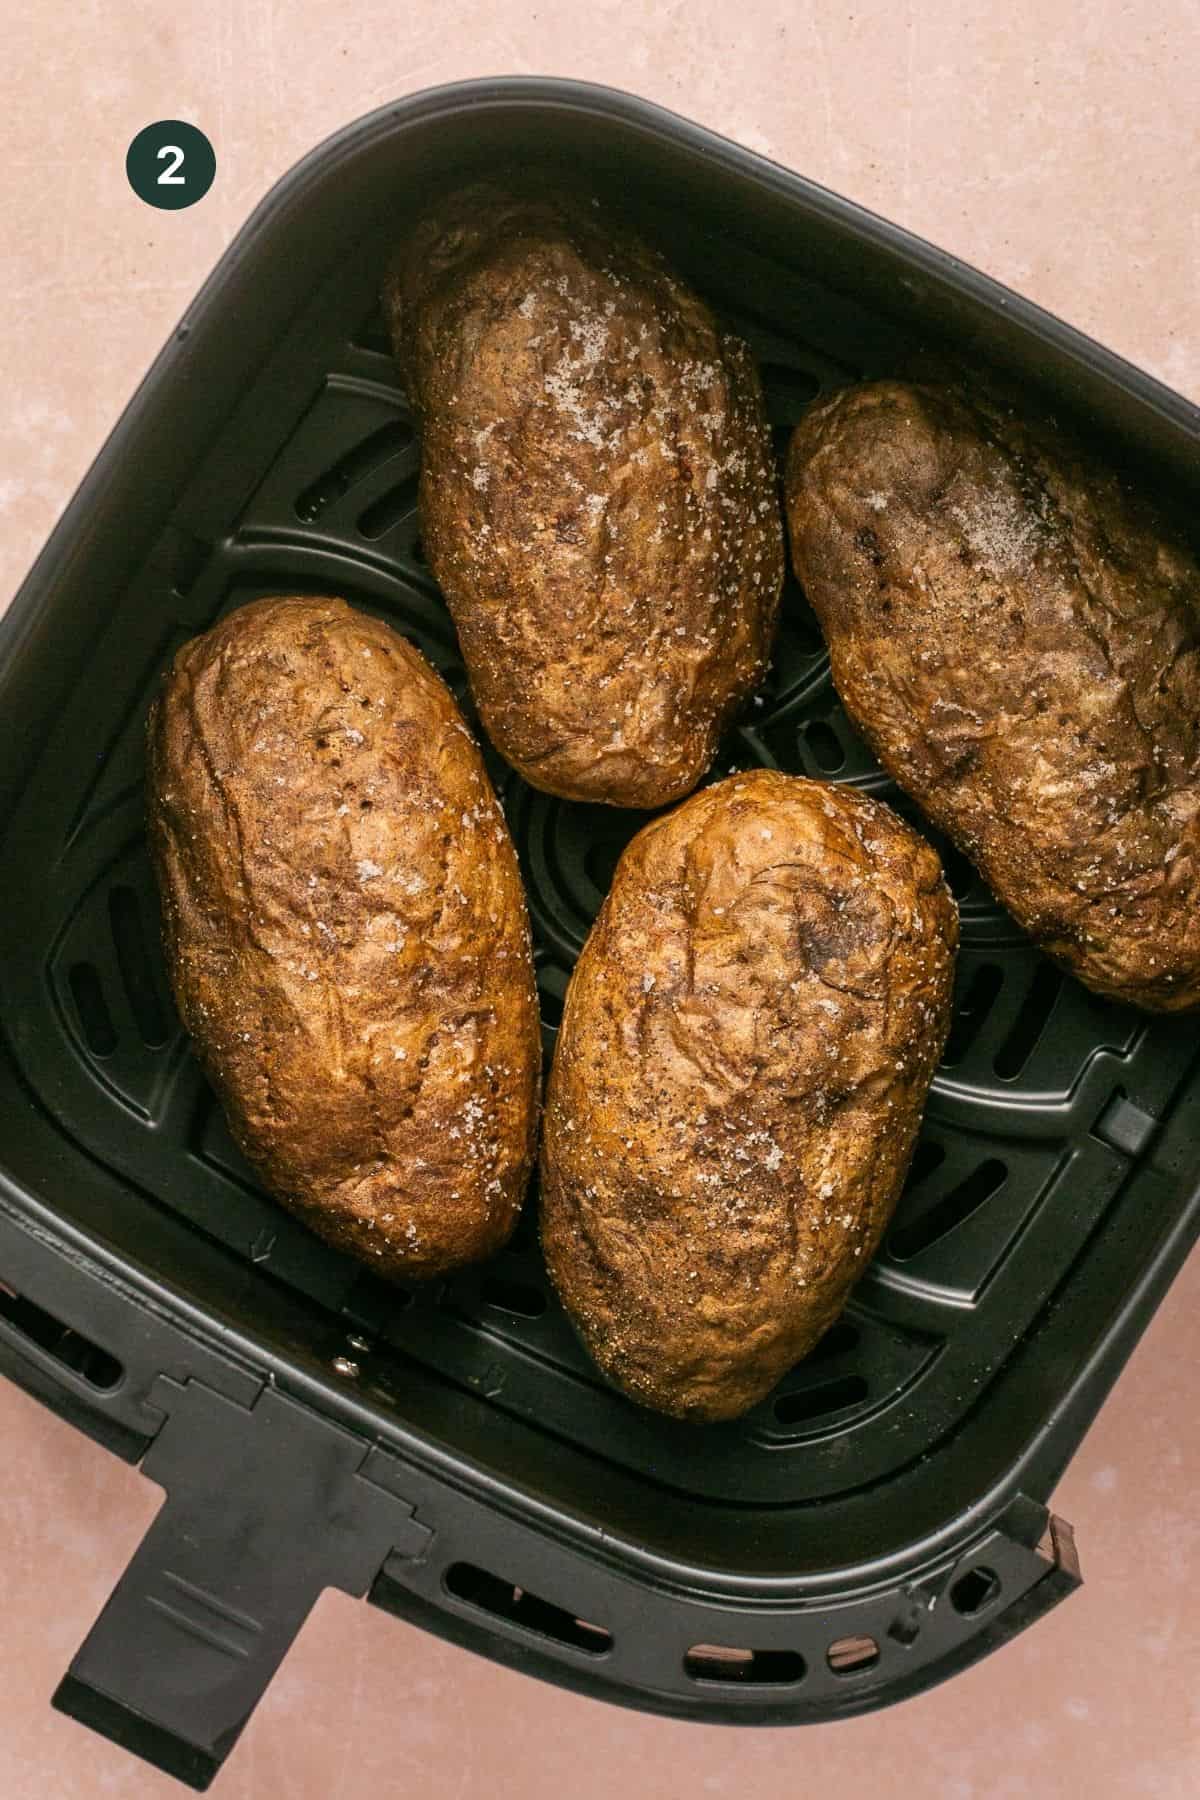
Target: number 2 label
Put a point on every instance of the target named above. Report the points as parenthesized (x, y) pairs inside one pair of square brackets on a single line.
[(171, 177)]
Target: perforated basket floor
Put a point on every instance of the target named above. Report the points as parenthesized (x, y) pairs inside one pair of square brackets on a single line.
[(1044, 1095)]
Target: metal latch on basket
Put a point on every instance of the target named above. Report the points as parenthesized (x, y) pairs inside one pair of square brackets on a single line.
[(266, 1506)]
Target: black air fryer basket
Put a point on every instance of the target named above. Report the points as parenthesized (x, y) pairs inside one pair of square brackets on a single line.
[(879, 1521)]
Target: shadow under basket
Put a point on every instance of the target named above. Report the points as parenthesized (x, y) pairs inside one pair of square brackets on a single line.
[(881, 1519)]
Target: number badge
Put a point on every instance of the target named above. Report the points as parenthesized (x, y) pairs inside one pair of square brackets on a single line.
[(170, 164)]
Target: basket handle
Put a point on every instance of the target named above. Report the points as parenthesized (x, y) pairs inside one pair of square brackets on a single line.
[(266, 1506)]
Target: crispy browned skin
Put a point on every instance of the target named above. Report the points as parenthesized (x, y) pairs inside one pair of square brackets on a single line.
[(346, 931), (744, 1055), (597, 491), (1019, 640)]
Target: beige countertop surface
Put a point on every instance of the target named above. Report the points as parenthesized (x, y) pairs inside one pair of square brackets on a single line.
[(1052, 144)]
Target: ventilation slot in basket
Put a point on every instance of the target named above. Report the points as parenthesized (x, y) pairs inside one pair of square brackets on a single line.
[(134, 963), (608, 834), (960, 871), (799, 621), (79, 1354), (513, 1297), (525, 1232), (839, 1340), (811, 1403), (948, 1213), (516, 1606), (825, 746), (550, 1002), (389, 510), (722, 1662), (852, 1655), (1030, 1022), (927, 1157), (971, 1013), (390, 440), (95, 1020)]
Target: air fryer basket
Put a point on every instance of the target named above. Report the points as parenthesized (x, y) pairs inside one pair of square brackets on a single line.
[(881, 1519)]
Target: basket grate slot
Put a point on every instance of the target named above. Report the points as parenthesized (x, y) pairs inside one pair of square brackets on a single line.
[(518, 1297), (928, 1157), (551, 987), (839, 1340), (972, 1011), (814, 1402), (945, 1215), (380, 447), (390, 510), (826, 746), (1039, 1002), (609, 833), (67, 1346), (852, 1655), (95, 1020), (961, 873), (504, 1600), (724, 1662), (133, 961), (525, 1233), (798, 621)]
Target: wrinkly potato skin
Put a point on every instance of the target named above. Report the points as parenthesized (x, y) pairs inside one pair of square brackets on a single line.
[(345, 931), (744, 1055), (1018, 638), (598, 495)]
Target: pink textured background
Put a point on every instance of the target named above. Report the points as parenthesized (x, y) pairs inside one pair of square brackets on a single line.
[(1052, 144)]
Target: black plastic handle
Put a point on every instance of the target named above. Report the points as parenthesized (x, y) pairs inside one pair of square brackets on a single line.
[(228, 1572), (269, 1501)]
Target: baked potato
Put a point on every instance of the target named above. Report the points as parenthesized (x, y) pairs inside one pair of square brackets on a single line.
[(1017, 636), (345, 931), (745, 1049), (598, 496)]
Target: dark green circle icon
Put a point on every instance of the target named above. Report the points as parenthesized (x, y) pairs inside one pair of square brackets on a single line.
[(170, 164)]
